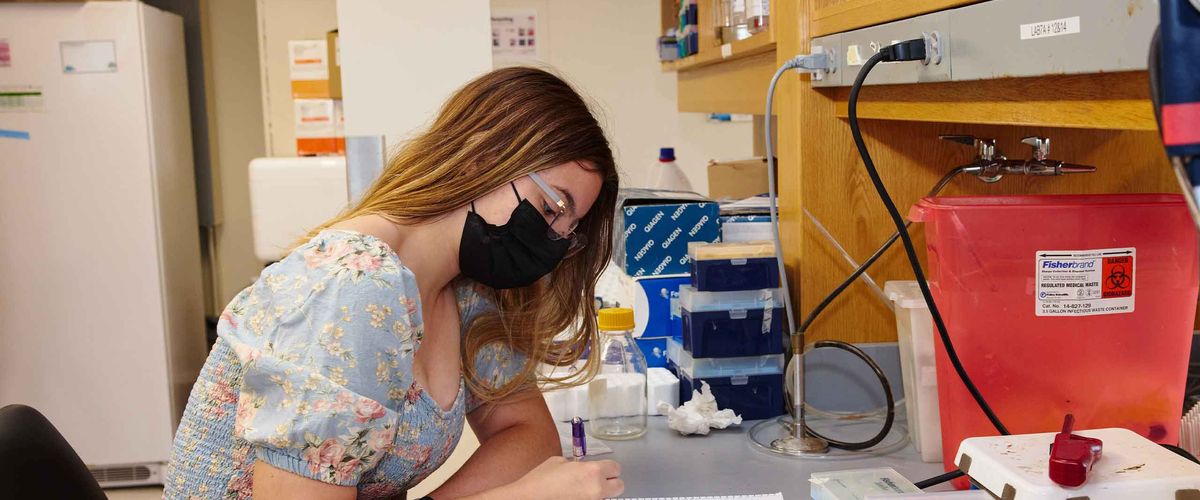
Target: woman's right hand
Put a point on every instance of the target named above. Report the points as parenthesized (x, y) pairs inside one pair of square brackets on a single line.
[(559, 478)]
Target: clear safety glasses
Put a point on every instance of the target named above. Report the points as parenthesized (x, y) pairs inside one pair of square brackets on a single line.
[(554, 208)]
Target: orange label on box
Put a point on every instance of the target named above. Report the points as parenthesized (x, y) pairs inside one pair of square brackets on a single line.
[(321, 146), (1118, 277), (318, 127)]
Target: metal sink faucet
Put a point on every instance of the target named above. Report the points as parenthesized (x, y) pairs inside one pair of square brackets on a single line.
[(991, 165)]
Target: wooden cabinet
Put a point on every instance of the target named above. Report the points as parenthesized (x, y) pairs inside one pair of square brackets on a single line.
[(722, 78), (836, 16), (1103, 120)]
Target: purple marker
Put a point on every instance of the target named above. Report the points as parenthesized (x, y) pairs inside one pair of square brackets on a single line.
[(578, 439)]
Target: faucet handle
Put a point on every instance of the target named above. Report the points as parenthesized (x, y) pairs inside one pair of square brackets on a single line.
[(985, 148), (1041, 146)]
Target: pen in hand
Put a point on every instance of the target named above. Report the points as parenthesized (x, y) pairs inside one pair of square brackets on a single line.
[(578, 440)]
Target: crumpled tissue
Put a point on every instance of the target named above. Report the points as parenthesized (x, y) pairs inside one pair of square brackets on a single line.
[(698, 415)]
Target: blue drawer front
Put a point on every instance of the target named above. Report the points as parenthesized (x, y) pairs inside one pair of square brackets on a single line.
[(754, 397), (714, 334), (739, 274)]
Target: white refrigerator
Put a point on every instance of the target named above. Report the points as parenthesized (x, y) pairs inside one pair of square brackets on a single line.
[(101, 300)]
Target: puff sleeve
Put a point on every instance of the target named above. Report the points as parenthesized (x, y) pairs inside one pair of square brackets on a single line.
[(325, 370)]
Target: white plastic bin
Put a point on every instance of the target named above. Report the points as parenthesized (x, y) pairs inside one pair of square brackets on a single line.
[(914, 329)]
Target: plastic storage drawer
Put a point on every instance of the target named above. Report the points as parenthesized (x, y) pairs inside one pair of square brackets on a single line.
[(722, 367), (754, 397), (720, 267), (751, 386), (918, 367), (727, 324)]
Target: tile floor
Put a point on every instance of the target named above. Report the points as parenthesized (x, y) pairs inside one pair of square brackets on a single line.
[(147, 493)]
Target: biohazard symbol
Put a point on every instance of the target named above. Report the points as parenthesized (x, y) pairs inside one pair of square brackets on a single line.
[(1118, 277)]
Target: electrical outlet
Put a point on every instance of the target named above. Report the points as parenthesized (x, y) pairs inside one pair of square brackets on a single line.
[(1004, 39), (933, 48)]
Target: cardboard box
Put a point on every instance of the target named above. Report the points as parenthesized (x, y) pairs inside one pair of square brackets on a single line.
[(335, 64), (736, 180), (657, 227), (308, 65), (318, 126)]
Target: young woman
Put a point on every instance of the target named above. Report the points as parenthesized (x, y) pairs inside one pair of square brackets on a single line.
[(348, 368)]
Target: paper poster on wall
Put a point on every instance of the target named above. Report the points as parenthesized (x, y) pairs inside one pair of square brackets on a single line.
[(89, 56), (20, 98), (5, 54), (514, 35)]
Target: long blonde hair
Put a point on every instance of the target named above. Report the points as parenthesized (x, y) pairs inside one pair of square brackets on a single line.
[(497, 128)]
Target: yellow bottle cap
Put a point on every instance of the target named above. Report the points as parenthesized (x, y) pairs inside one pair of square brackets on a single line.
[(615, 319)]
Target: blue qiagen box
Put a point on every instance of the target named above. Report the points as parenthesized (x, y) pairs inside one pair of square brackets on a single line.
[(653, 229), (655, 350), (655, 304)]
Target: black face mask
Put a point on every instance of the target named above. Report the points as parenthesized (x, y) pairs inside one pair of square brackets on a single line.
[(513, 255)]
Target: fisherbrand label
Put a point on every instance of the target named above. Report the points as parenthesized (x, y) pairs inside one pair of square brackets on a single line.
[(1085, 282)]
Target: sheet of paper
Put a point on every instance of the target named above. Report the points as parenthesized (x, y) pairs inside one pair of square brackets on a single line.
[(514, 35), (772, 496), (89, 56), (307, 60), (753, 202)]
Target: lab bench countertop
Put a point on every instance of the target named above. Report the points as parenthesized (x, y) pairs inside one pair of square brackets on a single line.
[(663, 463)]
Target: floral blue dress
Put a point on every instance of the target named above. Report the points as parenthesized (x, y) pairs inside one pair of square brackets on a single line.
[(312, 372)]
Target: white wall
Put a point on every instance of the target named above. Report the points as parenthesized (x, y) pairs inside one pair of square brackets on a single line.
[(402, 60), (606, 49)]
